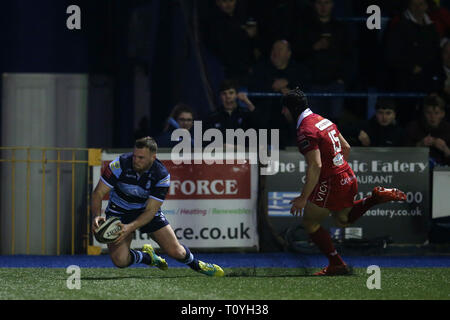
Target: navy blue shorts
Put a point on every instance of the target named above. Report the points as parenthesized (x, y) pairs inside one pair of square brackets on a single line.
[(157, 222)]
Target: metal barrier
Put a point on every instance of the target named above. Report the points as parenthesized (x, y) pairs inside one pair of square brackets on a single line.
[(370, 95), (345, 94), (91, 158)]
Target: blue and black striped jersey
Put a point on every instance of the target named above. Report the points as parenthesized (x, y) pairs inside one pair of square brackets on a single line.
[(131, 191)]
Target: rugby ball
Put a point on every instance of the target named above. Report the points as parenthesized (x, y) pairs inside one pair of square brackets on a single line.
[(108, 230)]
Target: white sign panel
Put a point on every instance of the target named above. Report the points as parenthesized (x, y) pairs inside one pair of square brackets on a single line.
[(208, 205)]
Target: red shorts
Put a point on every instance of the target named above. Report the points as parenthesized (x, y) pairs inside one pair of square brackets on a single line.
[(336, 192)]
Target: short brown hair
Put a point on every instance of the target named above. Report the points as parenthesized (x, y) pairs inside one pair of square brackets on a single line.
[(147, 142), (386, 103), (179, 109), (434, 101), (228, 84)]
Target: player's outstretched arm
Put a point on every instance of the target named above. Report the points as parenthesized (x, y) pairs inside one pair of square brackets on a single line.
[(96, 203), (150, 211), (314, 162)]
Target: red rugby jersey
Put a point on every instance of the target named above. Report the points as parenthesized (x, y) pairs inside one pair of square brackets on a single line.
[(316, 132)]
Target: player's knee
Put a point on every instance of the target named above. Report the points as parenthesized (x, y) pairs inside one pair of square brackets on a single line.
[(120, 262), (310, 226), (177, 252), (341, 222)]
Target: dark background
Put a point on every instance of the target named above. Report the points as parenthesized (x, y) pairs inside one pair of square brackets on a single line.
[(34, 38)]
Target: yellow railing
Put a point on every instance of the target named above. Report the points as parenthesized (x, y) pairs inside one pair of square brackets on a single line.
[(93, 158)]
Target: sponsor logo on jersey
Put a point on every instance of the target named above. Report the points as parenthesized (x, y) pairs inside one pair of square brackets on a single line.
[(323, 191), (338, 160), (347, 180), (115, 164), (322, 125)]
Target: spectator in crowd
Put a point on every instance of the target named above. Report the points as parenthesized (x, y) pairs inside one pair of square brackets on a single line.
[(275, 21), (231, 36), (440, 16), (324, 45), (438, 78), (432, 130), (279, 74), (445, 66), (412, 46), (229, 114), (382, 129), (181, 117)]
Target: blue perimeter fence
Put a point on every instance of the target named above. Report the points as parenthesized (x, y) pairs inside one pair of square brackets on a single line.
[(233, 260)]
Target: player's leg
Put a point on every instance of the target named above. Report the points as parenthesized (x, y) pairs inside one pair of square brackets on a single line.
[(167, 240), (379, 195), (341, 217), (123, 256), (120, 253), (312, 218)]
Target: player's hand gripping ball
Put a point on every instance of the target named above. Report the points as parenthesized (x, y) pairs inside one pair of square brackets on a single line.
[(108, 230)]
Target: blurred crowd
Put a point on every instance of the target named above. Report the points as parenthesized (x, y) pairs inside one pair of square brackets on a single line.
[(272, 46)]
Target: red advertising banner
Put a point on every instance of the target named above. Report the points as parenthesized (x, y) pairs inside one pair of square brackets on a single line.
[(205, 181), (208, 181)]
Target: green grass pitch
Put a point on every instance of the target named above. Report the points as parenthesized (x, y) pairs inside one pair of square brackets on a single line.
[(240, 283)]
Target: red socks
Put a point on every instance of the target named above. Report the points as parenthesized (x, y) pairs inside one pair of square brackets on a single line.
[(323, 240), (322, 237), (360, 207)]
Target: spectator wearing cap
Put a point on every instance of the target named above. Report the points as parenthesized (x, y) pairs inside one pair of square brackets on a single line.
[(432, 130), (382, 129)]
